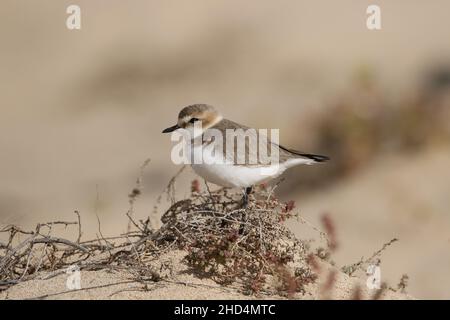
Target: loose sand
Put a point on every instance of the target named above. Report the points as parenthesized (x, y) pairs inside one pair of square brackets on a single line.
[(181, 284)]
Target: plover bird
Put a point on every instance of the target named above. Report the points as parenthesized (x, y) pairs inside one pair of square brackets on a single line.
[(233, 169)]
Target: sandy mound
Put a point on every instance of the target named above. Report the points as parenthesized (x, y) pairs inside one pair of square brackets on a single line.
[(180, 285), (208, 247)]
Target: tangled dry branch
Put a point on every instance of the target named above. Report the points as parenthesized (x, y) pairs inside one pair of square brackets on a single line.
[(248, 246), (229, 243), (251, 248)]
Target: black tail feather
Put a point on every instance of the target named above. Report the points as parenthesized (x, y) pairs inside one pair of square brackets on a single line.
[(315, 157)]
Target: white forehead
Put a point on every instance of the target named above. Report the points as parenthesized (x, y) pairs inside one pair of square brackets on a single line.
[(186, 118)]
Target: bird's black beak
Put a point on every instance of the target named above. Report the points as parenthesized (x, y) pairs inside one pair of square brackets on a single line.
[(172, 128)]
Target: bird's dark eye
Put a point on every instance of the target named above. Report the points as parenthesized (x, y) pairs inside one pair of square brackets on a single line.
[(193, 120)]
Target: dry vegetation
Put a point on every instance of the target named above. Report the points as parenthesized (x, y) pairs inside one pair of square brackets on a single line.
[(230, 244), (222, 241), (250, 248)]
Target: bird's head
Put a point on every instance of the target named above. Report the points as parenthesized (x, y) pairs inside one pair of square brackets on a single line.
[(194, 115)]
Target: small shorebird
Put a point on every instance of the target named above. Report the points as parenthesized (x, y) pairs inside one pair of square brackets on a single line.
[(231, 173)]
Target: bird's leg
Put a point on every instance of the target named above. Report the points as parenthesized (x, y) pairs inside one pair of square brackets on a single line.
[(247, 191)]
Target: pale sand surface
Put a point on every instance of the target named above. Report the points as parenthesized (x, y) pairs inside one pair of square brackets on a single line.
[(180, 285)]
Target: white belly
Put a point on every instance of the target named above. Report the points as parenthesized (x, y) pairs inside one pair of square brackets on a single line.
[(213, 169), (228, 175)]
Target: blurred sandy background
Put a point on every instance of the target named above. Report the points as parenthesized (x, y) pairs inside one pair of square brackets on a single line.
[(81, 110)]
